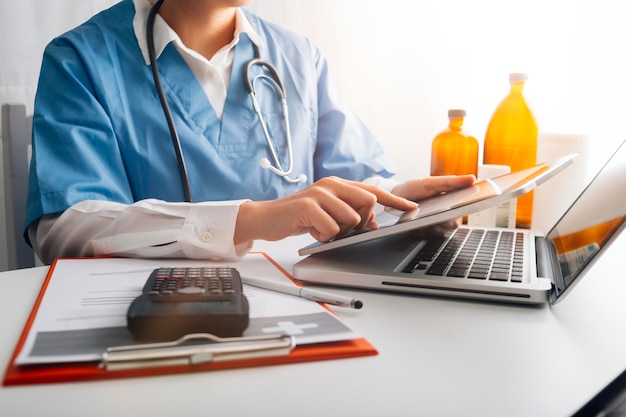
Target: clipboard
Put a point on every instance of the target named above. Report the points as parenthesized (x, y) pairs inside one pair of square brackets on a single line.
[(206, 353)]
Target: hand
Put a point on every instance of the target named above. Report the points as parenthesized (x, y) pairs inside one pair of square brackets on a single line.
[(420, 188), (325, 209)]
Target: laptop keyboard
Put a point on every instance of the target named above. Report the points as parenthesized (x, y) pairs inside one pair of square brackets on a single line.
[(496, 255)]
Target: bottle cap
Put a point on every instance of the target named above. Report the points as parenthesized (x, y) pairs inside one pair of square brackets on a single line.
[(518, 76), (456, 113)]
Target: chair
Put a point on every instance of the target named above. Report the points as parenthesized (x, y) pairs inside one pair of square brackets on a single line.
[(16, 140)]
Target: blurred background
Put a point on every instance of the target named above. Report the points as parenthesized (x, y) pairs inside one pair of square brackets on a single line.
[(403, 63)]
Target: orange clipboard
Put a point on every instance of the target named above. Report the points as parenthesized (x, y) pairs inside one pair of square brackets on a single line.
[(94, 371)]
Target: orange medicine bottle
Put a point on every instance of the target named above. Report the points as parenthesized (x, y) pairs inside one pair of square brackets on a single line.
[(511, 139), (453, 151)]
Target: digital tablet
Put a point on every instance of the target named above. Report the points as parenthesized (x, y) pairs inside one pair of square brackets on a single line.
[(482, 195)]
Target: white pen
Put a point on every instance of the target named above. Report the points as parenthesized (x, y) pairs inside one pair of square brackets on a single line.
[(308, 293)]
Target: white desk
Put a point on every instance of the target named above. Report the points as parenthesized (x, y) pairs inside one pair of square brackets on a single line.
[(438, 357)]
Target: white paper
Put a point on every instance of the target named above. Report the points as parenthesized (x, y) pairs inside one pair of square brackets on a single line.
[(94, 294)]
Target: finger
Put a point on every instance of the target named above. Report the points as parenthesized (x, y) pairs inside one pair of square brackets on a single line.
[(421, 188), (319, 224), (326, 227), (385, 198), (350, 206), (349, 203), (345, 215), (437, 185), (325, 216)]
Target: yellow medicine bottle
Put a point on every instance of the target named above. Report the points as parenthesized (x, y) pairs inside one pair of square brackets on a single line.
[(454, 152), (511, 139)]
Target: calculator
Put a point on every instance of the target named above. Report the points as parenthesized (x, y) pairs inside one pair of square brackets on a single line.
[(177, 301)]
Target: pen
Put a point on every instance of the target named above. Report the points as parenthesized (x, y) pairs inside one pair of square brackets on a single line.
[(308, 293)]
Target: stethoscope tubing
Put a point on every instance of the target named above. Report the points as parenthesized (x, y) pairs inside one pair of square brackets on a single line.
[(182, 167), (274, 80), (277, 169)]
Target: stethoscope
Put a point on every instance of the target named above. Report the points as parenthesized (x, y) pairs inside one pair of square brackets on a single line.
[(274, 80)]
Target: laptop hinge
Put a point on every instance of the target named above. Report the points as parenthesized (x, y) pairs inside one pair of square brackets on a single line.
[(548, 265)]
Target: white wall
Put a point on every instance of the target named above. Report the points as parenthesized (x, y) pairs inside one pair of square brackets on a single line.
[(404, 63), (26, 26)]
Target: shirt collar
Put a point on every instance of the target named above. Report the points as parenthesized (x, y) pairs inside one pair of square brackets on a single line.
[(163, 34)]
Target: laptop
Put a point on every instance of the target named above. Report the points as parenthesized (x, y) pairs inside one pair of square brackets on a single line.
[(500, 264)]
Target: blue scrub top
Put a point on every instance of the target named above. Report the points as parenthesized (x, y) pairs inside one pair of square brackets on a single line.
[(99, 132)]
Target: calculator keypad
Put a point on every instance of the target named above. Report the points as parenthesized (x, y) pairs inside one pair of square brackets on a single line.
[(171, 284)]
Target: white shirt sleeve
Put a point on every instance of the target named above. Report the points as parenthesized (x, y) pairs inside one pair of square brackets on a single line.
[(147, 229)]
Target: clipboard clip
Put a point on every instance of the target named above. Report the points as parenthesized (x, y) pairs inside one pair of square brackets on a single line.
[(195, 349)]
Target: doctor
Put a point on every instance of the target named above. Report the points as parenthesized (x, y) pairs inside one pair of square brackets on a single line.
[(105, 179)]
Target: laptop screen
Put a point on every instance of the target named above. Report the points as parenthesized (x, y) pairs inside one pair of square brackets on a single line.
[(591, 223)]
